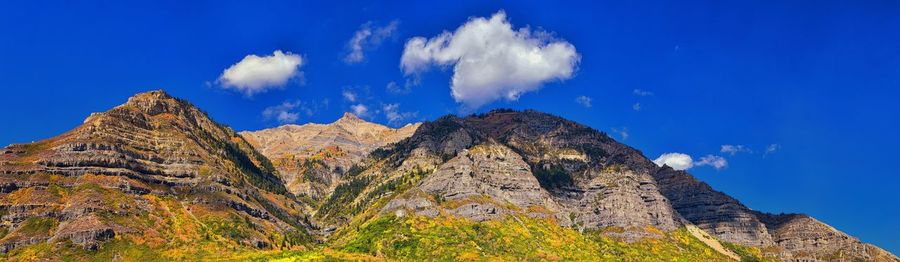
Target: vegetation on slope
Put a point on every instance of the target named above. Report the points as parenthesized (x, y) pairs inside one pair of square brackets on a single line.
[(148, 227), (517, 238)]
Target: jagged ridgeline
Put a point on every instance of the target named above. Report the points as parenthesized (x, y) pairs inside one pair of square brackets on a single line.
[(150, 179), (511, 185), (156, 179)]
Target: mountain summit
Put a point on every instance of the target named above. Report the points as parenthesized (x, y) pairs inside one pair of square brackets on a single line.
[(155, 173), (313, 157)]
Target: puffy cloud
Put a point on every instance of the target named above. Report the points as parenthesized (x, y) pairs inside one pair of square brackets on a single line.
[(393, 114), (639, 92), (367, 37), (734, 149), (680, 161), (714, 161), (289, 111), (491, 61), (677, 161), (360, 110), (583, 101), (636, 106), (255, 74)]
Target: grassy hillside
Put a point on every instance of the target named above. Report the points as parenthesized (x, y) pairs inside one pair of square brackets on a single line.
[(517, 238)]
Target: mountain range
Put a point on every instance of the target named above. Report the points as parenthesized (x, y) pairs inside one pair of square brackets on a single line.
[(156, 179)]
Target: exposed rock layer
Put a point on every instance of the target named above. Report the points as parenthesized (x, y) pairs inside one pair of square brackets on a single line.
[(508, 161), (129, 172)]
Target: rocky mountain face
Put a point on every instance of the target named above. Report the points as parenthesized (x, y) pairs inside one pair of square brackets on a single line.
[(155, 172), (312, 158), (484, 167)]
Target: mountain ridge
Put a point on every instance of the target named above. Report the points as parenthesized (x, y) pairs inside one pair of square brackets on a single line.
[(593, 183), (156, 169)]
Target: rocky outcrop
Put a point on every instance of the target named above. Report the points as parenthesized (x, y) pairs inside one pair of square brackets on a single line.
[(803, 238), (86, 231), (712, 211), (488, 171)]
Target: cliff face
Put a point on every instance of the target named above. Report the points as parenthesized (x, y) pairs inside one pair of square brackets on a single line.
[(153, 170), (312, 158), (712, 211), (801, 236), (485, 167)]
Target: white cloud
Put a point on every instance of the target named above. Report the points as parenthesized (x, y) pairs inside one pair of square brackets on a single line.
[(771, 149), (349, 95), (714, 161), (491, 61), (639, 92), (677, 161), (636, 106), (289, 111), (734, 149), (393, 114), (367, 37), (395, 88), (360, 110), (623, 132), (583, 101), (680, 161), (283, 112), (255, 74)]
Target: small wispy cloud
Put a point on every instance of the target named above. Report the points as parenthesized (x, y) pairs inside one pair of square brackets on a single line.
[(771, 148), (349, 95), (623, 132), (395, 88), (714, 161), (394, 116), (283, 112), (289, 111), (639, 92), (584, 101), (735, 149), (366, 38), (636, 106), (360, 110)]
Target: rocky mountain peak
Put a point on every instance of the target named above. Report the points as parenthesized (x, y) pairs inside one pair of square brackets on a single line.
[(322, 152), (349, 118), (125, 172), (156, 102)]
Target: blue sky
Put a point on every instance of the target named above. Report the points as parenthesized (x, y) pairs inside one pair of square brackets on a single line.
[(816, 79)]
